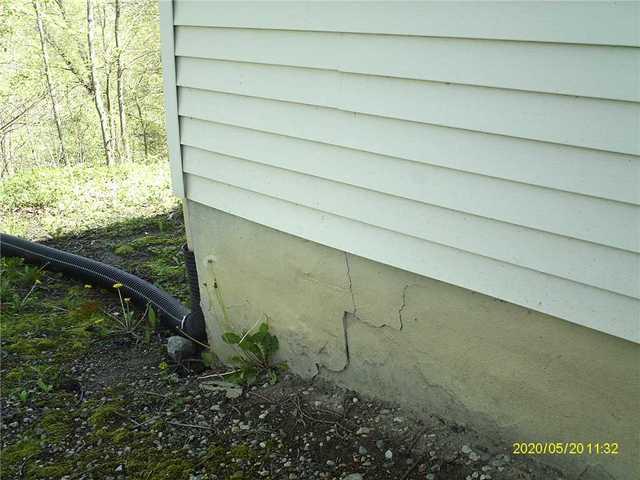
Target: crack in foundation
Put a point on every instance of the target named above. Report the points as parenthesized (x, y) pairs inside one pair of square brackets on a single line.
[(320, 367), (353, 297), (404, 304), (346, 339)]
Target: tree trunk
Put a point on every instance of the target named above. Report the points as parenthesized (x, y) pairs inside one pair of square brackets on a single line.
[(143, 126), (120, 85), (4, 171), (47, 74), (107, 85), (97, 91)]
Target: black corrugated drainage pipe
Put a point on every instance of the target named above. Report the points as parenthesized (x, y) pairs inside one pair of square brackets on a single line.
[(170, 310)]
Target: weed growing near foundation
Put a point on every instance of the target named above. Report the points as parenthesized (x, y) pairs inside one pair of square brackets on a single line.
[(256, 356)]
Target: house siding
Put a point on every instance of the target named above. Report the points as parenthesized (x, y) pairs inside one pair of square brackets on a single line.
[(490, 146)]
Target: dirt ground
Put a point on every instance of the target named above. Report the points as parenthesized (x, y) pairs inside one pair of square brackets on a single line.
[(152, 422)]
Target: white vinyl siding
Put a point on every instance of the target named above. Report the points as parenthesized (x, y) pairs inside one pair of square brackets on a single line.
[(498, 152)]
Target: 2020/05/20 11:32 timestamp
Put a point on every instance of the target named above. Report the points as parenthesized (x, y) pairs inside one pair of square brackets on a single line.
[(565, 448)]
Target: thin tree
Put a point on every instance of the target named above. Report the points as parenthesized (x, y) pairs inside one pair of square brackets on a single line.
[(47, 74), (108, 65), (96, 88), (120, 84), (143, 126)]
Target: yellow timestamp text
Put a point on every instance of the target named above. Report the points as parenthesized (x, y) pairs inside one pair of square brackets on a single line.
[(566, 448)]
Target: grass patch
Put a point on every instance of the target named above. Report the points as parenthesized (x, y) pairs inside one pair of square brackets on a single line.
[(49, 202)]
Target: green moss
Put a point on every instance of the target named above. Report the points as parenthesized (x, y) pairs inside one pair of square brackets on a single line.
[(31, 346), (107, 415), (216, 454), (122, 436), (174, 468), (237, 476), (243, 452), (57, 425), (124, 250), (150, 240), (55, 470), (150, 464), (14, 376), (14, 455)]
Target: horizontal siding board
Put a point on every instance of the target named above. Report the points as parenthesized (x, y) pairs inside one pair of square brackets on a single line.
[(588, 306), (602, 71), (583, 262), (584, 171), (576, 216), (606, 23), (576, 121)]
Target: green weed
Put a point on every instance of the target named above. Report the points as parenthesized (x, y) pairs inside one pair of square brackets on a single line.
[(256, 351)]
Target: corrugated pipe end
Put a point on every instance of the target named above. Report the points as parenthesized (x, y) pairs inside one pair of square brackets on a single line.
[(194, 324)]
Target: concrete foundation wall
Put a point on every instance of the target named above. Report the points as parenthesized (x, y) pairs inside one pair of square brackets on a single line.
[(436, 348)]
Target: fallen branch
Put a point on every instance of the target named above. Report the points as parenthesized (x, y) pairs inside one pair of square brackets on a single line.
[(189, 425)]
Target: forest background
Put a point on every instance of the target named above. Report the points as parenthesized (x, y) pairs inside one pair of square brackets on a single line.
[(80, 83)]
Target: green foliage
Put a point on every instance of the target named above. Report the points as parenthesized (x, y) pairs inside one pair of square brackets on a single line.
[(23, 396), (27, 129), (58, 201), (44, 380), (35, 336), (14, 273), (151, 324), (123, 250), (256, 355)]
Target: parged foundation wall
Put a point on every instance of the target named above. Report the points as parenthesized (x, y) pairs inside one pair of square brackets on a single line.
[(431, 346)]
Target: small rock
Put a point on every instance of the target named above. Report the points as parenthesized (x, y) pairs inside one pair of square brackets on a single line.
[(362, 450), (380, 444), (430, 476), (119, 468), (179, 348), (354, 476), (466, 449), (388, 454), (331, 463), (363, 431), (473, 456)]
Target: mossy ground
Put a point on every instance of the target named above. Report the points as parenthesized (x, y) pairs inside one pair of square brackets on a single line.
[(58, 423)]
